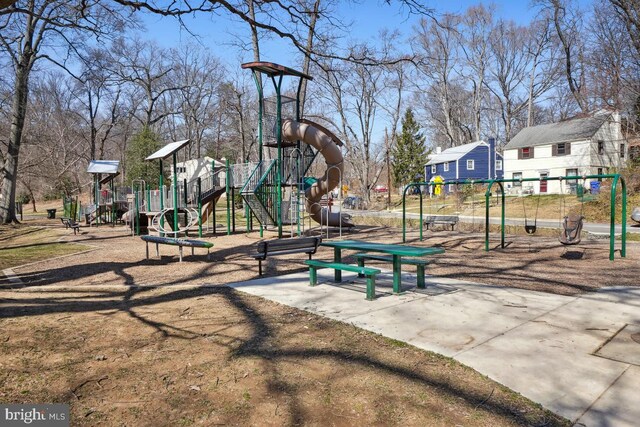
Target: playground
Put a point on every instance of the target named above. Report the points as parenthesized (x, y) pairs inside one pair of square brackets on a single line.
[(204, 352), (129, 335)]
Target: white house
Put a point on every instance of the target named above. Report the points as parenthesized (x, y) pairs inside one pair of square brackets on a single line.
[(195, 168), (581, 146)]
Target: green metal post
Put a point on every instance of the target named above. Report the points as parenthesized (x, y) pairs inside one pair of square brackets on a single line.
[(136, 213), (502, 222), (258, 81), (623, 237), (623, 249), (200, 208), (228, 174), (148, 189), (420, 191), (247, 214), (186, 196), (233, 210), (175, 194), (404, 214), (161, 198), (487, 194), (279, 161), (96, 190), (113, 204)]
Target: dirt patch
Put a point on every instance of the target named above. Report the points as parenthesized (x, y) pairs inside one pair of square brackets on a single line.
[(130, 341)]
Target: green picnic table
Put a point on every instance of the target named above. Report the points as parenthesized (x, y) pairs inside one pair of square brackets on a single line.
[(396, 251)]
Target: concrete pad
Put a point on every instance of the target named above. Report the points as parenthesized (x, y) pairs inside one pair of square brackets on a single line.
[(618, 405), (541, 345), (547, 364), (453, 323), (624, 346)]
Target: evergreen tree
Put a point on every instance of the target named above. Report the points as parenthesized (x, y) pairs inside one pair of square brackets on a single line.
[(410, 152), (142, 145)]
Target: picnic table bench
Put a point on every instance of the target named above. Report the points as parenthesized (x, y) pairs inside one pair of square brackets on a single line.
[(418, 262), (368, 272), (394, 252), (191, 243), (70, 223), (267, 248), (451, 220)]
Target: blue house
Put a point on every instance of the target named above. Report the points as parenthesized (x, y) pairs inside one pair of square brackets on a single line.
[(477, 160)]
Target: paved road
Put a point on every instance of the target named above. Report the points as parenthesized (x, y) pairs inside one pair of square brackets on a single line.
[(592, 227)]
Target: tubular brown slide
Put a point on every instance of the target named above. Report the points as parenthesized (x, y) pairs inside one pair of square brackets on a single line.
[(327, 146)]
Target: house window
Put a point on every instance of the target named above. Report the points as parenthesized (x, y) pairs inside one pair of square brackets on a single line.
[(525, 153), (433, 169), (498, 165), (517, 175), (601, 147), (446, 167), (622, 151), (561, 149), (600, 172), (572, 183), (470, 165)]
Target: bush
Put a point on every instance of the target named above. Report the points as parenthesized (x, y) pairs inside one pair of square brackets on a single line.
[(23, 198)]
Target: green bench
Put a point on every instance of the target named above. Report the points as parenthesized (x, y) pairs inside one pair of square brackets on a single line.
[(368, 272), (419, 263), (191, 243)]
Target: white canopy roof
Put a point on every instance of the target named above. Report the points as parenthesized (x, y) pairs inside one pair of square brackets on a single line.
[(168, 150), (104, 166)]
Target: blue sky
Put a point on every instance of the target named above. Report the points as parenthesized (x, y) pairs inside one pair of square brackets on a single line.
[(367, 18)]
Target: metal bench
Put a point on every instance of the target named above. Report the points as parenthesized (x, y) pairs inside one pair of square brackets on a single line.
[(451, 220), (267, 248), (419, 263), (70, 223), (158, 240), (368, 272)]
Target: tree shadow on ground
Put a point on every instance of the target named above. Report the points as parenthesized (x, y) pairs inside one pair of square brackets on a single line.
[(260, 343)]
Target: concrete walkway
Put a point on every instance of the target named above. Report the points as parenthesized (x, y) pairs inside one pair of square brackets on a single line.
[(577, 356)]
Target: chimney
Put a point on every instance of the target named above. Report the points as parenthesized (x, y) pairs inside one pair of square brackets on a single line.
[(438, 150), (492, 158)]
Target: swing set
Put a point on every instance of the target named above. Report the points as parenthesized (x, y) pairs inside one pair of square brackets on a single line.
[(571, 224)]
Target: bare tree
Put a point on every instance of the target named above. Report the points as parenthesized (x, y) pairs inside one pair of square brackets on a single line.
[(353, 90), (629, 12), (27, 31), (147, 69), (444, 98), (566, 21), (476, 29), (98, 95), (198, 74), (281, 19)]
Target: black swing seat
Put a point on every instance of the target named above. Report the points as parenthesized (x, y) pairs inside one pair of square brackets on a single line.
[(571, 229), (530, 228)]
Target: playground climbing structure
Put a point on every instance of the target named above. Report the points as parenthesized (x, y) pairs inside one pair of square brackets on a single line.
[(278, 191)]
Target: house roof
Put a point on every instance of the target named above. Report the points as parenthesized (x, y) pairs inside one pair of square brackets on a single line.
[(567, 131), (454, 153)]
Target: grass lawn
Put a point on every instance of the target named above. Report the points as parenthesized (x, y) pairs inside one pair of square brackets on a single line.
[(23, 245)]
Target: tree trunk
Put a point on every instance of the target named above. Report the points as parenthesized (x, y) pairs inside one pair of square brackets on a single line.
[(10, 169), (306, 64)]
